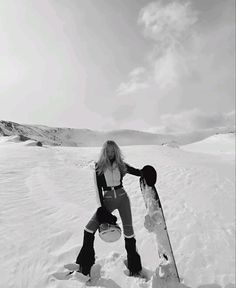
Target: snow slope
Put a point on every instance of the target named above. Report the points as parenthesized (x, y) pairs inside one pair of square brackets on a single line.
[(86, 138), (47, 197), (216, 144), (79, 137)]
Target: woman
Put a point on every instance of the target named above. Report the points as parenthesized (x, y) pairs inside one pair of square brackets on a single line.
[(109, 172)]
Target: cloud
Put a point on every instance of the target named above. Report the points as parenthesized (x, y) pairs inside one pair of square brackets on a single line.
[(168, 25), (192, 120), (190, 67), (137, 81), (123, 112)]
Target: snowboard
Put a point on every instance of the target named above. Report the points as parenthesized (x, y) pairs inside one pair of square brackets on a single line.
[(155, 222)]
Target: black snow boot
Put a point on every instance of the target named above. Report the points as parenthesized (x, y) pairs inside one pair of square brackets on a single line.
[(86, 257), (133, 258)]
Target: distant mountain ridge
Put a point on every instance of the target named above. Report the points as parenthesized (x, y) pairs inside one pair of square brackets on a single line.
[(86, 137)]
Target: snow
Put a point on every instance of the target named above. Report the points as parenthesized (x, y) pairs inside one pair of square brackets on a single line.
[(216, 144), (72, 137), (47, 197)]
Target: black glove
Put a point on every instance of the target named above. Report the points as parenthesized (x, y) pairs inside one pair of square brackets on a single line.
[(141, 173), (105, 216)]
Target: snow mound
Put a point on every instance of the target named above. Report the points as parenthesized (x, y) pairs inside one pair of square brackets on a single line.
[(172, 144), (11, 140), (216, 144)]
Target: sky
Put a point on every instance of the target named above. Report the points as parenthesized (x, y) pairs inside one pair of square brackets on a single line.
[(162, 66)]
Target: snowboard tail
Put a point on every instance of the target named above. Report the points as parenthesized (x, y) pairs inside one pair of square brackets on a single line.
[(155, 222)]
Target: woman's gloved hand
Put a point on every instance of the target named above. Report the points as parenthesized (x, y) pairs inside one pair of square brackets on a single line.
[(104, 216), (141, 173)]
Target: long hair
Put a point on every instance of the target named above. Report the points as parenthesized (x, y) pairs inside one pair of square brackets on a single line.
[(104, 161)]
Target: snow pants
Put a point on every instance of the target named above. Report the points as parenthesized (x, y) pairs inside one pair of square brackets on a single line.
[(115, 199)]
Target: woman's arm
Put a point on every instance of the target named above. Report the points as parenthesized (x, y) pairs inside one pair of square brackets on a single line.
[(133, 171), (98, 187)]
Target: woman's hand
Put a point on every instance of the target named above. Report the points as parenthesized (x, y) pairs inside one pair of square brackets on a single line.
[(104, 216)]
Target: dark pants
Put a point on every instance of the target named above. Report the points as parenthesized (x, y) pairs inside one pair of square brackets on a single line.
[(117, 199), (113, 200)]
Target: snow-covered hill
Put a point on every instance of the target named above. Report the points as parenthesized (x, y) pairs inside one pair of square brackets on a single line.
[(87, 138), (216, 144), (47, 197)]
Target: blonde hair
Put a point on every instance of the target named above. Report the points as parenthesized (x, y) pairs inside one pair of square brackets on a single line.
[(104, 161)]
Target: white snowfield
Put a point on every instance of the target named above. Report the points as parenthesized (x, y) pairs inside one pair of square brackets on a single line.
[(47, 196)]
